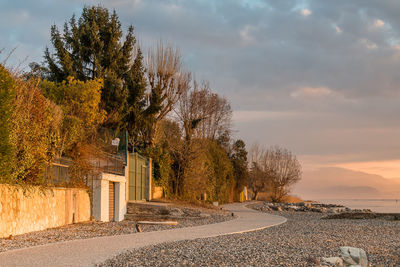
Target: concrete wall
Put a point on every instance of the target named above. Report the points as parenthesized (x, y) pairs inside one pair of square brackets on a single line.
[(40, 209), (101, 197)]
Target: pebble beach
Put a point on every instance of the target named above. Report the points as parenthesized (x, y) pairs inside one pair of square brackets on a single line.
[(301, 241)]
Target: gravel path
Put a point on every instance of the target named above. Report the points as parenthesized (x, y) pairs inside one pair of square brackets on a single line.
[(95, 229), (92, 251), (299, 242)]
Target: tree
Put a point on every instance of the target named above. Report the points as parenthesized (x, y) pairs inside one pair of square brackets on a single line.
[(135, 122), (203, 114), (216, 113), (239, 161), (194, 108), (168, 140), (91, 47), (220, 173), (259, 177), (259, 180), (7, 95), (82, 114), (285, 170), (274, 169), (167, 81)]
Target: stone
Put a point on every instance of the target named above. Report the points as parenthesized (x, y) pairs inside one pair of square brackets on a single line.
[(354, 256), (316, 210), (175, 212), (336, 261)]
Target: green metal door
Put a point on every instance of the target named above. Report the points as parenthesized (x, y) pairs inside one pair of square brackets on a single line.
[(138, 177)]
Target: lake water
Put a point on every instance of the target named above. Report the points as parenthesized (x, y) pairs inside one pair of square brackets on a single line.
[(376, 205)]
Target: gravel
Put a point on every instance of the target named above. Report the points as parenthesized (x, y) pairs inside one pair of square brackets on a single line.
[(301, 241), (96, 229)]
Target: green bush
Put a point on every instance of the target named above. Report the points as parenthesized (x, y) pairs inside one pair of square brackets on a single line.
[(35, 133), (220, 174), (7, 95)]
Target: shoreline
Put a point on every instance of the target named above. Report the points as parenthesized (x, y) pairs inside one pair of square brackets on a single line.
[(376, 205)]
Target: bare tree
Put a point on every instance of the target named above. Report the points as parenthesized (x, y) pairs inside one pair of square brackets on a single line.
[(274, 168), (285, 171), (219, 115), (204, 114), (167, 81), (190, 111), (201, 115), (259, 178)]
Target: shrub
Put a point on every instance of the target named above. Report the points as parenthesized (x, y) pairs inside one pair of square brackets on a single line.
[(35, 132), (220, 174), (7, 94)]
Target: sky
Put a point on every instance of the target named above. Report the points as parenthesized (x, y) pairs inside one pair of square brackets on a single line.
[(321, 78)]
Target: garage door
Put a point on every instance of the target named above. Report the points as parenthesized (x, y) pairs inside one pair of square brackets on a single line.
[(111, 200)]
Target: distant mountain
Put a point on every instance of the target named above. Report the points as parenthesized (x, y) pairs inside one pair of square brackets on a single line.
[(332, 182)]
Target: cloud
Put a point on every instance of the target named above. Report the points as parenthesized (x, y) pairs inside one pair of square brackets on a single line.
[(260, 115), (338, 29), (305, 12), (378, 24), (368, 44), (312, 92), (246, 34), (325, 85)]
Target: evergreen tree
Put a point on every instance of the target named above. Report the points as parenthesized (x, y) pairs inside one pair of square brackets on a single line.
[(7, 94), (92, 47), (239, 160), (135, 122)]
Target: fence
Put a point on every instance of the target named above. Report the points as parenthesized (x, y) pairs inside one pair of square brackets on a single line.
[(110, 163), (139, 178), (59, 172)]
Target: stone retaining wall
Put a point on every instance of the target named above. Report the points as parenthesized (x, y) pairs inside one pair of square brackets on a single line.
[(38, 209)]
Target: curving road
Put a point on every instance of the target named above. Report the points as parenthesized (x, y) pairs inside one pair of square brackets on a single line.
[(88, 252)]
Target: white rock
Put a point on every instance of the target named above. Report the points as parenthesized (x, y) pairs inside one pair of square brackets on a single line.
[(354, 256), (336, 261)]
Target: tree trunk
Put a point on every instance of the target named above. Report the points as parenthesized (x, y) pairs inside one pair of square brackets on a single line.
[(255, 195)]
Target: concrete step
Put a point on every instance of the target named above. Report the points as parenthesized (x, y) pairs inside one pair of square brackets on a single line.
[(145, 208), (132, 217), (159, 211)]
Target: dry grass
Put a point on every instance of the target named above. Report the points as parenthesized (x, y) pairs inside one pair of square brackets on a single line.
[(292, 199)]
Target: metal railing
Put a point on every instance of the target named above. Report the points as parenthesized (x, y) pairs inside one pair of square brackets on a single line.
[(59, 171), (110, 163)]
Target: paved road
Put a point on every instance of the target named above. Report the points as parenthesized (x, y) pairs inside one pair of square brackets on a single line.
[(87, 252)]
